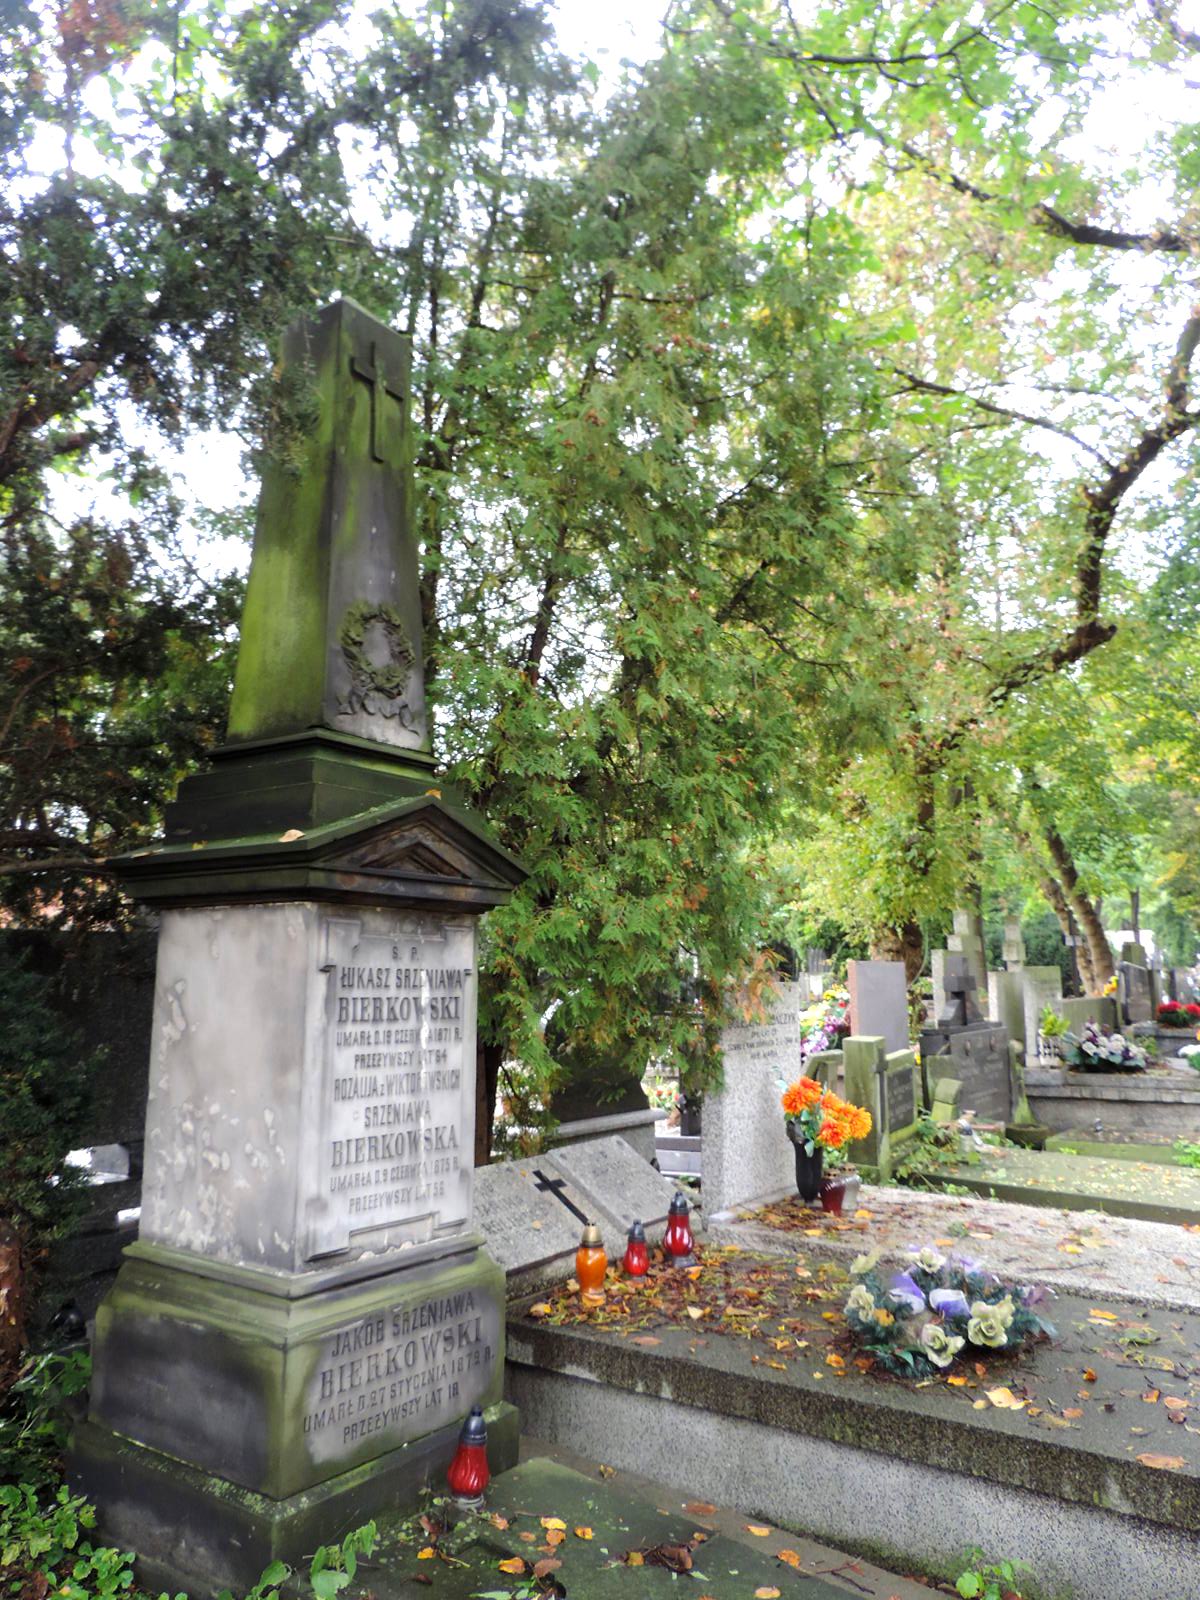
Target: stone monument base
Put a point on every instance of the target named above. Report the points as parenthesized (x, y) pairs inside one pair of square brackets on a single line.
[(238, 1417), (199, 1533)]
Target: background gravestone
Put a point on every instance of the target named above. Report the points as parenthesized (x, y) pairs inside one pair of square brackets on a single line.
[(747, 1155), (1136, 996), (879, 1001), (888, 1085), (1006, 1002), (1040, 987), (979, 1059)]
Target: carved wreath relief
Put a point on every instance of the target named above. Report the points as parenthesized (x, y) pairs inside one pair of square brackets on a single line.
[(379, 657)]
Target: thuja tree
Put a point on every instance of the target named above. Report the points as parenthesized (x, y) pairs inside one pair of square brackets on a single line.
[(629, 400)]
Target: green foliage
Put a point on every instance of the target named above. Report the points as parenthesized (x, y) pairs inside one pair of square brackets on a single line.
[(1187, 1153), (934, 1146), (334, 1566), (35, 1417), (44, 1093), (990, 1580), (50, 1539)]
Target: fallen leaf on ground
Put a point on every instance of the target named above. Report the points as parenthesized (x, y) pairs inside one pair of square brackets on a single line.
[(514, 1564), (545, 1566), (695, 1312), (757, 1529), (497, 1521), (1162, 1463), (764, 1592), (646, 1338), (607, 1472), (554, 1522), (635, 1558), (1005, 1400), (1088, 1375), (555, 1537), (1102, 1316), (699, 1508), (542, 1309), (427, 1554), (583, 1533), (790, 1558), (1073, 1411)]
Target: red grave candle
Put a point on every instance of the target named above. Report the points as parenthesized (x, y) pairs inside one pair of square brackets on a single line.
[(677, 1241), (637, 1256), (469, 1474)]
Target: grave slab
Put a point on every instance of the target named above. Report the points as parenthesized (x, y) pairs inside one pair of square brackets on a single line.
[(1083, 1253), (1081, 1475), (529, 1213), (620, 1185), (1150, 1190), (619, 1520)]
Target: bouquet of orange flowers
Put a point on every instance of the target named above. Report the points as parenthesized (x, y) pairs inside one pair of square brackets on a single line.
[(819, 1118)]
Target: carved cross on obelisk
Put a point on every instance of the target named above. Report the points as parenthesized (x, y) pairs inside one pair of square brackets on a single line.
[(372, 372)]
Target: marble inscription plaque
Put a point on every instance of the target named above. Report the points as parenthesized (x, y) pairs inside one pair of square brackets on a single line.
[(395, 1123), (400, 1373)]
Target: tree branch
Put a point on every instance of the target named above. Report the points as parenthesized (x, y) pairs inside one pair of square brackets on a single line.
[(927, 386)]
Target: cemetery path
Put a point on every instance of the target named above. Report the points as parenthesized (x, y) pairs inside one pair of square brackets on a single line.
[(1075, 1252)]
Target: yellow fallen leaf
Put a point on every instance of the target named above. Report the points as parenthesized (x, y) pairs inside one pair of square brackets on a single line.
[(514, 1564), (790, 1558), (1102, 1316), (555, 1536), (542, 1309), (427, 1554), (693, 1273), (958, 1381), (1176, 1402), (1151, 1397), (497, 1521), (757, 1529), (861, 1212), (1162, 1463), (290, 835), (583, 1533), (766, 1592), (979, 1405), (635, 1558), (1088, 1375), (1005, 1399), (695, 1312)]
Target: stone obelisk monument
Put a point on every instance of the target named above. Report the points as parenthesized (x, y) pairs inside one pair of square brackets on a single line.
[(307, 1315)]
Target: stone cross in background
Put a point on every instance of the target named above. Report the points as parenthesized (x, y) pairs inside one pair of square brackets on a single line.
[(1014, 944)]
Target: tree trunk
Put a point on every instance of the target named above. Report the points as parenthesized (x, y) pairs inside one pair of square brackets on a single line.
[(1057, 901), (488, 1060), (12, 1306), (1100, 956), (905, 944)]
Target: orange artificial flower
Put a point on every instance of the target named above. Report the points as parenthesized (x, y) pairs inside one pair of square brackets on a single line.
[(801, 1096)]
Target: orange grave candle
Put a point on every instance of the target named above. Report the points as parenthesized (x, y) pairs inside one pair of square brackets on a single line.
[(591, 1263)]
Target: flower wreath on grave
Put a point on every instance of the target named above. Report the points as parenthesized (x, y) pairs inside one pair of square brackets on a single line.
[(1099, 1049), (918, 1323)]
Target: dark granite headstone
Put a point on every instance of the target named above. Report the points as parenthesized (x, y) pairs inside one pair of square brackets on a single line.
[(1137, 1003), (979, 1059), (901, 1092)]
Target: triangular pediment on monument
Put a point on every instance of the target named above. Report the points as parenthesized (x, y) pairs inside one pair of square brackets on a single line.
[(417, 839), (416, 852)]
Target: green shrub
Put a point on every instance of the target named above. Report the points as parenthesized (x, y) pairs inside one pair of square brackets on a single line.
[(35, 1419)]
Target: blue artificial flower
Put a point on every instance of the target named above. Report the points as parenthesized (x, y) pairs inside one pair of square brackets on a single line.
[(950, 1302), (903, 1289)]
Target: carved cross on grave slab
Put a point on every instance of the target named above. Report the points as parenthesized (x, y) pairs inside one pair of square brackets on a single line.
[(557, 1187), (961, 1008)]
